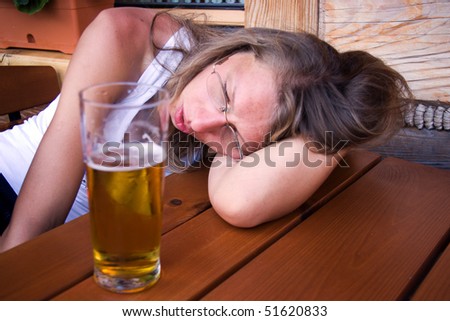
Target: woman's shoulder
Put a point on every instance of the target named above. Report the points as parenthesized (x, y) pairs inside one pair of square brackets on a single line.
[(121, 22), (128, 14), (132, 23)]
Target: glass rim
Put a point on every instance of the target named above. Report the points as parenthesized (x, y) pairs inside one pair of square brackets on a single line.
[(123, 105)]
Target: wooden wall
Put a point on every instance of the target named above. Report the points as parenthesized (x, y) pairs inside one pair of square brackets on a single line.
[(412, 36), (291, 15)]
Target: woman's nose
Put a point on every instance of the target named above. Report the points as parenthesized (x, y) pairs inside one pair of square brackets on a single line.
[(208, 121)]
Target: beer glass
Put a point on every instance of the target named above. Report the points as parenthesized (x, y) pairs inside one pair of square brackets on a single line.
[(124, 133)]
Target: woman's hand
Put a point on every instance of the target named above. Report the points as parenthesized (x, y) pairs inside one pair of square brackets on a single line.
[(267, 184)]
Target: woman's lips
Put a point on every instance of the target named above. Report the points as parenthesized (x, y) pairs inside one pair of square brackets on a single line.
[(179, 120)]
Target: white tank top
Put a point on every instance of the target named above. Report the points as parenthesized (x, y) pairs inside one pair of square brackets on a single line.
[(19, 144)]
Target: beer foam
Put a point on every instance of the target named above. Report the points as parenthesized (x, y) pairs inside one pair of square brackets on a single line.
[(126, 156)]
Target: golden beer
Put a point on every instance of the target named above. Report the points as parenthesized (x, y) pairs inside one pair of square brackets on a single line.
[(125, 212), (124, 128)]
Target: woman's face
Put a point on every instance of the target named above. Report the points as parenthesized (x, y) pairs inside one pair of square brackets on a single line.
[(251, 92)]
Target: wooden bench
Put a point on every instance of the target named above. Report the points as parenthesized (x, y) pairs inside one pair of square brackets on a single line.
[(23, 88), (425, 137)]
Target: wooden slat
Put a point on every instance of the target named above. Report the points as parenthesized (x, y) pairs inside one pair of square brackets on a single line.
[(194, 257), (411, 36), (428, 147), (290, 15), (205, 250), (356, 164), (371, 242), (436, 285), (185, 196), (31, 57), (49, 264), (24, 87), (55, 260), (214, 16)]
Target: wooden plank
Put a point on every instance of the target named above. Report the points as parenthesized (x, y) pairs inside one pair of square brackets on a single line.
[(29, 57), (54, 261), (371, 242), (23, 87), (436, 285), (428, 147), (214, 16), (50, 263), (355, 164), (412, 36), (205, 250), (194, 257), (290, 15), (180, 202)]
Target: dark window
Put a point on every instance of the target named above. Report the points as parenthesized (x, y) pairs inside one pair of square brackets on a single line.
[(193, 4)]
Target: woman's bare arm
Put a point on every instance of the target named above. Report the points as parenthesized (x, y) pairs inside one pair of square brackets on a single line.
[(267, 184), (115, 47)]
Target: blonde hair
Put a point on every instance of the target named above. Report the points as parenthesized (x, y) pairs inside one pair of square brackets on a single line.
[(353, 95)]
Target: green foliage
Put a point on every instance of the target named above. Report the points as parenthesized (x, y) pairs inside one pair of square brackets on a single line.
[(30, 6)]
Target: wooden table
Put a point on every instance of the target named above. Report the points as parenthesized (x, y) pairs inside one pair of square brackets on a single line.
[(375, 230)]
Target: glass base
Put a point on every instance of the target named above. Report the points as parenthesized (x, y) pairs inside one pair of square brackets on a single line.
[(127, 284)]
